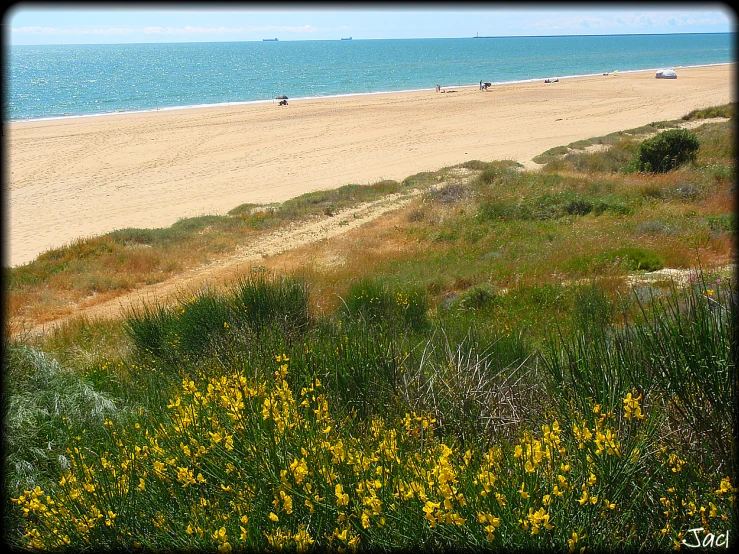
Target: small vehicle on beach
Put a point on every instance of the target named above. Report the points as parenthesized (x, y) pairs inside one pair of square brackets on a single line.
[(283, 100), (666, 74)]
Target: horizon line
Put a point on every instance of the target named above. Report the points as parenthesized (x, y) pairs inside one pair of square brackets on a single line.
[(8, 43)]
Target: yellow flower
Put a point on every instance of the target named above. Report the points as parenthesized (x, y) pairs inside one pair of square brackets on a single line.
[(287, 502), (342, 499), (273, 517), (299, 470), (631, 407), (522, 492), (584, 498), (725, 486), (573, 541)]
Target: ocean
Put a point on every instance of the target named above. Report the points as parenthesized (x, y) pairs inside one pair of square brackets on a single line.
[(73, 80)]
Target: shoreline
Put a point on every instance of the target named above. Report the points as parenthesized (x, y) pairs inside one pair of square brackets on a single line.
[(338, 95), (85, 176)]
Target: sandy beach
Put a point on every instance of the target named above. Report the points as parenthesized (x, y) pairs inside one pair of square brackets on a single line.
[(83, 176)]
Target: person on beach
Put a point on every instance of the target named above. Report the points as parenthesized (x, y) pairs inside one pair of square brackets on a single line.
[(480, 85), (438, 88)]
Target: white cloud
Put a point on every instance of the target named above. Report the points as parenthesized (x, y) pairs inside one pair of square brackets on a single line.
[(35, 30), (630, 21), (156, 30)]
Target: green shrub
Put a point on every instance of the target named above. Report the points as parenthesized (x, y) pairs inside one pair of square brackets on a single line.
[(423, 179), (259, 302), (637, 259), (475, 165), (497, 208), (201, 320), (551, 155), (727, 110), (479, 297), (498, 174), (553, 206), (668, 150), (617, 207), (148, 328), (377, 304), (725, 223), (243, 210)]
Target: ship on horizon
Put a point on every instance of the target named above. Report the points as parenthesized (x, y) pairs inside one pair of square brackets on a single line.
[(347, 38), (269, 40)]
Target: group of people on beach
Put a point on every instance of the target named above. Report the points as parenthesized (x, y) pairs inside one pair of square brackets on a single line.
[(483, 86)]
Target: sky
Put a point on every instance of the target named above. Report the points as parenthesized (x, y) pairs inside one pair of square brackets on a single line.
[(68, 23)]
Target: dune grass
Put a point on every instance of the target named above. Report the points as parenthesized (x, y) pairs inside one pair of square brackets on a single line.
[(476, 375), (95, 269)]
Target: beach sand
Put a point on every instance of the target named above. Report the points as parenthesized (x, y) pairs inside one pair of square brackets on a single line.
[(84, 176)]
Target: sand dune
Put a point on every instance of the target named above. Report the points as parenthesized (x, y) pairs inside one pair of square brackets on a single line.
[(75, 177)]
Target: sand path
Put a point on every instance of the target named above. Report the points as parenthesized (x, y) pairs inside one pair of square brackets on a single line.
[(225, 270), (75, 177)]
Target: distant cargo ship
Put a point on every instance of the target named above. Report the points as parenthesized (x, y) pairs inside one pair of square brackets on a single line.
[(269, 39), (347, 38)]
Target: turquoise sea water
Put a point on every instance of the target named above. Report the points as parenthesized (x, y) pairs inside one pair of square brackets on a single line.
[(70, 80)]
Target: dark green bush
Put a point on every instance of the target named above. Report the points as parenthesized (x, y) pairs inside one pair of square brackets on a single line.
[(553, 206), (259, 302), (201, 320), (149, 328), (479, 297), (668, 150), (637, 259)]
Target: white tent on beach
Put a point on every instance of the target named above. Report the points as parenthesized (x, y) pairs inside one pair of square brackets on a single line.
[(666, 74)]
